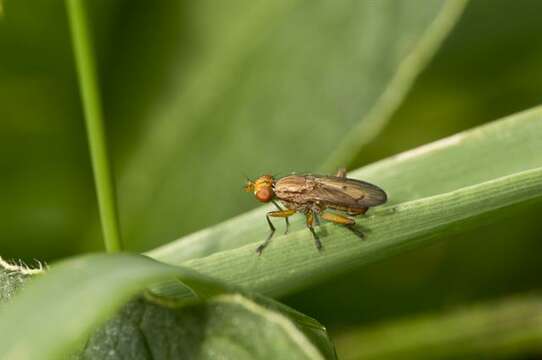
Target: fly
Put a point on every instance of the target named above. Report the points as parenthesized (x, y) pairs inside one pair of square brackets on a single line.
[(313, 195)]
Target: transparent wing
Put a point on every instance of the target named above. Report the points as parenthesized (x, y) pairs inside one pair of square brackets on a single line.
[(335, 192), (346, 192)]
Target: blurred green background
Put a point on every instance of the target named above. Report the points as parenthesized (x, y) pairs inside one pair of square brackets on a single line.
[(488, 67)]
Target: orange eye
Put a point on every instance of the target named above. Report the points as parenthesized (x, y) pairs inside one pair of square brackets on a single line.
[(264, 194)]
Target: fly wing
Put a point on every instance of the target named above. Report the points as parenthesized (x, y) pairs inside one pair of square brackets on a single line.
[(345, 192), (336, 192)]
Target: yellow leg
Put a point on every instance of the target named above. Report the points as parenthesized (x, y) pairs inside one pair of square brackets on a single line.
[(281, 213), (280, 209), (310, 222), (337, 219), (343, 220)]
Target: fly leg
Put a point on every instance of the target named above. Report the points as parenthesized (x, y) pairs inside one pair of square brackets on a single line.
[(286, 218), (280, 213), (343, 220), (341, 173), (310, 221)]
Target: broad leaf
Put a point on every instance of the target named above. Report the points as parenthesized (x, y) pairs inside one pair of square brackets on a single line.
[(77, 295), (230, 325), (81, 293)]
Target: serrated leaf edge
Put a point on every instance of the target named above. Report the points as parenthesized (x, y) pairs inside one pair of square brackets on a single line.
[(22, 268)]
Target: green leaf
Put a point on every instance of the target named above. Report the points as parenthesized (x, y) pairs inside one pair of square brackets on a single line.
[(496, 329), (443, 184), (74, 297), (268, 80), (230, 325), (81, 293)]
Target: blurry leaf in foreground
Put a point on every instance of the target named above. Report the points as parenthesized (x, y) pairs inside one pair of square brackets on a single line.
[(496, 329), (82, 293), (79, 294), (269, 80)]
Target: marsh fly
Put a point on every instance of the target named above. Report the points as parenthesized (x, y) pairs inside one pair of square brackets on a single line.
[(312, 195)]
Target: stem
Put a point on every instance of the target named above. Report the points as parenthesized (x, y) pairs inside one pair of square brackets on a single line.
[(88, 84)]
